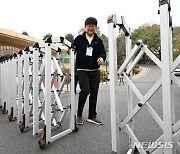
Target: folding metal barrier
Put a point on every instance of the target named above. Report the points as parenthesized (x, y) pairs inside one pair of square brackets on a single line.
[(168, 125), (55, 111), (0, 86), (36, 101), (8, 86), (3, 86), (31, 89), (20, 85), (120, 22), (38, 85), (25, 88), (24, 82), (31, 94), (12, 111)]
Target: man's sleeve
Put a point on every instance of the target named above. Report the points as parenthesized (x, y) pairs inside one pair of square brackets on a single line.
[(102, 50)]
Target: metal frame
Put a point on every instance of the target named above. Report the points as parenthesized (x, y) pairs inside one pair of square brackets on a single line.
[(113, 22), (26, 105), (25, 88), (54, 110), (166, 48), (170, 128), (20, 86), (4, 87), (12, 115), (8, 88), (39, 87), (1, 85), (32, 108), (35, 91)]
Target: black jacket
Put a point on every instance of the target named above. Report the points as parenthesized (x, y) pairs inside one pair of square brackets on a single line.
[(88, 62)]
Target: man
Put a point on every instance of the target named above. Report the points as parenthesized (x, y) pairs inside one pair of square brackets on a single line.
[(90, 54), (75, 78)]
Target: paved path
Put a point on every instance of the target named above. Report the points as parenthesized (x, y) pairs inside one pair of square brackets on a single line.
[(92, 139)]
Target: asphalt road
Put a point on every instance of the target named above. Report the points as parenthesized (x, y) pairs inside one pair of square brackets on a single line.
[(93, 139)]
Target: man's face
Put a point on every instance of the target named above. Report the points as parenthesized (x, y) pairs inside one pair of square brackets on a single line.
[(90, 29)]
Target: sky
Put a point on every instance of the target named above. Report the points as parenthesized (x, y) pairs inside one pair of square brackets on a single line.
[(60, 17)]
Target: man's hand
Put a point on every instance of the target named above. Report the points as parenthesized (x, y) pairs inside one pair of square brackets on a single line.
[(100, 61)]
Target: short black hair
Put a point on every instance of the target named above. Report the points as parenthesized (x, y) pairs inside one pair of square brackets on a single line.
[(91, 20)]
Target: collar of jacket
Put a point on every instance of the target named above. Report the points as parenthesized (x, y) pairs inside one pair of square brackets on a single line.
[(84, 35)]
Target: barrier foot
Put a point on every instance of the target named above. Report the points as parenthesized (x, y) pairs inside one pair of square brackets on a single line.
[(10, 116), (76, 128), (42, 144), (4, 111), (22, 125), (42, 141)]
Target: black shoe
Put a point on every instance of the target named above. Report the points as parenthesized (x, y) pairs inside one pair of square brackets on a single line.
[(95, 121), (79, 120)]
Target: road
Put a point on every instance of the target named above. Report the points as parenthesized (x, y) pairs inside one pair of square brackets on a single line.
[(93, 139)]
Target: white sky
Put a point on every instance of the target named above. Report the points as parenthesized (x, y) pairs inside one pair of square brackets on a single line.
[(59, 17)]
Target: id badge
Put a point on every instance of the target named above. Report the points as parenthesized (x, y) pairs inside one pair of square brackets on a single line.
[(89, 51)]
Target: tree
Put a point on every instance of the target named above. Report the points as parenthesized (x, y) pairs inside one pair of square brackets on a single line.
[(105, 41), (150, 35), (98, 31), (121, 49), (69, 37), (46, 36), (176, 39), (25, 33), (80, 31)]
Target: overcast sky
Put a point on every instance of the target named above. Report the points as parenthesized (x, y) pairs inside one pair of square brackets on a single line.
[(59, 17)]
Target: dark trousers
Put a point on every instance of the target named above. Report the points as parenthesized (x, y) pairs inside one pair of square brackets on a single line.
[(89, 85), (75, 83)]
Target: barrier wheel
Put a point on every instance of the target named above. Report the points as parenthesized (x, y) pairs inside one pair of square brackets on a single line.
[(10, 117), (42, 144), (76, 128), (4, 111), (147, 152), (21, 127)]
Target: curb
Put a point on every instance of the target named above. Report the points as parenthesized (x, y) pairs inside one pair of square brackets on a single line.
[(143, 72)]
